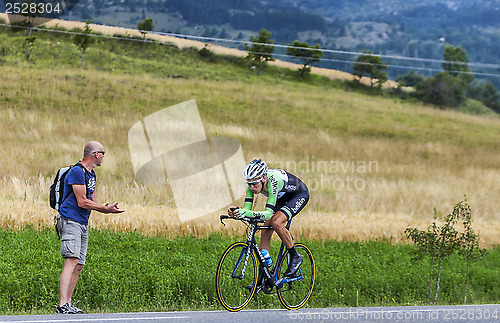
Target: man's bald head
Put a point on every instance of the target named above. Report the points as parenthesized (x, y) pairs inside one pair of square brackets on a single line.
[(91, 147)]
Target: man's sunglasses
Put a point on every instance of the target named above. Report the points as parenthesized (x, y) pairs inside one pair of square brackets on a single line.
[(100, 151)]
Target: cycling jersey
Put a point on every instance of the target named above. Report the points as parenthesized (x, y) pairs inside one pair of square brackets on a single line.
[(285, 192)]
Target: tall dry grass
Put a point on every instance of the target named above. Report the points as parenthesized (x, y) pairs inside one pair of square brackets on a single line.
[(415, 158)]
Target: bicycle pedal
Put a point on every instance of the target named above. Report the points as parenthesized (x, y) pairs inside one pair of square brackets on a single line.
[(279, 282)]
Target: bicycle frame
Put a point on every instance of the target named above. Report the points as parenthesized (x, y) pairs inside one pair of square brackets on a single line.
[(269, 273), (235, 286)]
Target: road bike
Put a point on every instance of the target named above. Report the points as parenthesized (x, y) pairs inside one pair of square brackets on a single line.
[(236, 277)]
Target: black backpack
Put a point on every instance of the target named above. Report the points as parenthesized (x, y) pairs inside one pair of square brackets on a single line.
[(57, 194)]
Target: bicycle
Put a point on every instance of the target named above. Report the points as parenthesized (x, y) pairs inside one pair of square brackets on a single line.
[(236, 277)]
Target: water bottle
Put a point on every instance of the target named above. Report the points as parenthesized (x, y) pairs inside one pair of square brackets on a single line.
[(267, 257)]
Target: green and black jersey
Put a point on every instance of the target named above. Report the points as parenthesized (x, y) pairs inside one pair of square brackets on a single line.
[(285, 192)]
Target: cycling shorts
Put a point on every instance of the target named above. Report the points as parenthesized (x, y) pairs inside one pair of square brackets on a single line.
[(293, 205)]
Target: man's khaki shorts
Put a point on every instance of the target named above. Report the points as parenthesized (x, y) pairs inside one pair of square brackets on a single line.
[(74, 239)]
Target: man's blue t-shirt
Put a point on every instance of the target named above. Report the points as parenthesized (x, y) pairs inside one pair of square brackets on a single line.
[(69, 208)]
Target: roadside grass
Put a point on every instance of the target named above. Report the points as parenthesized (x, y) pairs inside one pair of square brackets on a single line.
[(130, 272)]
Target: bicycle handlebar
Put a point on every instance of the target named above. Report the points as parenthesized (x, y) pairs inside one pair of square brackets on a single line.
[(245, 218)]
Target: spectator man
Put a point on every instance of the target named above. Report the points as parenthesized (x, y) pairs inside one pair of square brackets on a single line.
[(72, 222)]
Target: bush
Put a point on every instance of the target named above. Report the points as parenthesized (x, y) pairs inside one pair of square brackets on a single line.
[(443, 90), (410, 79), (206, 54), (471, 106), (485, 92)]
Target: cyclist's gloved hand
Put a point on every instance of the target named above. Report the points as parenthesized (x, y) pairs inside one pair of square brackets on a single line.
[(231, 211), (241, 213)]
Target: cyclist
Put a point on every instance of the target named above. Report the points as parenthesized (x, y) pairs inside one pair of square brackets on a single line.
[(287, 196)]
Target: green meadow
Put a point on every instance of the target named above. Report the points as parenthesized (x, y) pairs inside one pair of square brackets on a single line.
[(131, 272)]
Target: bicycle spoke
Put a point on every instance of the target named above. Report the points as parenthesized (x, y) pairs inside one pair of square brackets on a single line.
[(293, 292), (236, 277)]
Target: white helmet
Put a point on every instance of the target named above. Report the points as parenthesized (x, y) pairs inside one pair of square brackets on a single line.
[(255, 169)]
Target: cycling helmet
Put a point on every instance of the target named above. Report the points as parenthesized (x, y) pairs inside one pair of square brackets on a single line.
[(255, 169)]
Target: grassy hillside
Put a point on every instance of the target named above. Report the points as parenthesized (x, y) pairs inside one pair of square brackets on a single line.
[(401, 159), (396, 27)]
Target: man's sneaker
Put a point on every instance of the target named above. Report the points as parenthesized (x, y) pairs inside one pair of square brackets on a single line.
[(66, 309), (76, 309), (293, 266)]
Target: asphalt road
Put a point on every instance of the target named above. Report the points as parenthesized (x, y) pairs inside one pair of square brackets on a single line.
[(410, 314)]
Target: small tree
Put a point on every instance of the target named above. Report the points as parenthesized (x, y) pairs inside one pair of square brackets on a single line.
[(29, 42), (426, 242), (456, 63), (84, 40), (371, 66), (30, 16), (469, 248), (438, 243), (309, 55), (260, 52), (29, 21), (448, 242), (145, 26)]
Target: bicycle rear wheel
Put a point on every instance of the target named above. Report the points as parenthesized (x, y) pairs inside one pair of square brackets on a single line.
[(236, 277), (294, 292)]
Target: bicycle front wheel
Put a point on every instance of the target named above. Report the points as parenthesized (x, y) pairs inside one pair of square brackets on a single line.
[(236, 276), (294, 291)]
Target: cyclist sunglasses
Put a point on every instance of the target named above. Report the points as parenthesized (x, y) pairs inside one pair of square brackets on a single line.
[(254, 182)]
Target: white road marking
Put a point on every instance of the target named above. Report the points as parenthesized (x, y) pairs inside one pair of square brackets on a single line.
[(86, 319)]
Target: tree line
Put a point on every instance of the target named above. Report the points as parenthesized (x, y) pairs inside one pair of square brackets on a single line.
[(415, 30), (448, 89), (454, 85)]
